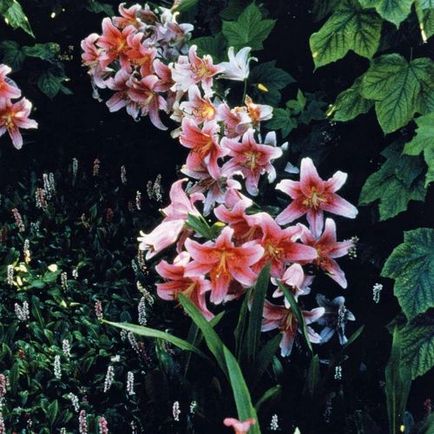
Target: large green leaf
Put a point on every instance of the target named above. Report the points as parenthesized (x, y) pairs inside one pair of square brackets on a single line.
[(417, 347), (158, 334), (399, 89), (15, 16), (256, 313), (212, 45), (350, 104), (411, 264), (240, 390), (395, 11), (399, 180), (423, 142), (12, 54), (249, 30), (349, 28), (321, 8)]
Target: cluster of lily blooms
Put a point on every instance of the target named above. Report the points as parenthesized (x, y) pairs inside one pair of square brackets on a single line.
[(13, 115), (143, 57)]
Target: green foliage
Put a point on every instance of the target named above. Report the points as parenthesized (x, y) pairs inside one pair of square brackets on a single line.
[(201, 226), (423, 142), (411, 265), (99, 7), (274, 79), (253, 334), (349, 28), (417, 339), (398, 383), (249, 30), (399, 89), (14, 16), (399, 180), (212, 45), (395, 11), (350, 103)]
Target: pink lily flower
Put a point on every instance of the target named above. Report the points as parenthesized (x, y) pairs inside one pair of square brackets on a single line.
[(132, 16), (233, 213), (328, 249), (236, 121), (91, 57), (194, 70), (120, 84), (181, 205), (283, 319), (114, 43), (14, 116), (163, 236), (238, 426), (312, 196), (214, 189), (8, 89), (258, 112), (172, 226), (164, 74), (224, 262), (176, 283), (204, 145), (140, 55), (197, 107), (145, 93), (252, 159), (280, 246), (296, 280)]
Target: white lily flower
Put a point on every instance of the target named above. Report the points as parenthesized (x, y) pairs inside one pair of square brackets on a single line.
[(237, 68)]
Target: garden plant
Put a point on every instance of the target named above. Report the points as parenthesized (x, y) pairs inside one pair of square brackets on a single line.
[(217, 215)]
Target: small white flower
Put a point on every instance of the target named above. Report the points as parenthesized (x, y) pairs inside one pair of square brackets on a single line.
[(237, 68)]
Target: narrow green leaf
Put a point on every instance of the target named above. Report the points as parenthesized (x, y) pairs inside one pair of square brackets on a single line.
[(255, 318), (354, 336), (241, 392), (313, 374), (270, 394), (213, 341), (266, 355), (158, 334)]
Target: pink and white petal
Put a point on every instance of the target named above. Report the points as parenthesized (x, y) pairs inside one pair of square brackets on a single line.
[(336, 181), (339, 206), (291, 188), (313, 315), (220, 287), (291, 213), (287, 343), (340, 249), (315, 219), (203, 253), (336, 273), (197, 269)]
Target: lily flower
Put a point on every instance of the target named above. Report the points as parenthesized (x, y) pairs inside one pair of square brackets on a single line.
[(114, 43), (140, 55), (233, 213), (224, 262), (214, 188), (238, 426), (296, 280), (312, 196), (164, 74), (237, 68), (280, 246), (204, 145), (145, 93), (13, 117), (176, 283), (8, 89), (258, 112), (130, 16), (334, 319), (201, 109), (236, 121), (328, 249), (120, 84), (252, 159), (283, 319), (194, 70), (172, 226)]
